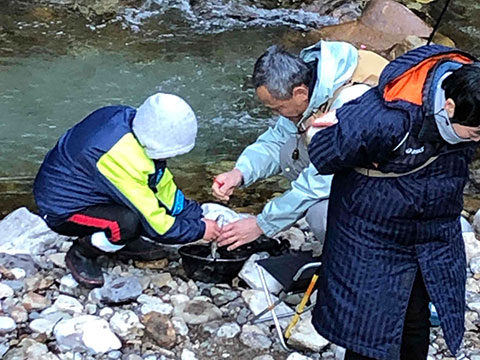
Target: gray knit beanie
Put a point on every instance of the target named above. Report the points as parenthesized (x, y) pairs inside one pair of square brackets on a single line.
[(166, 126)]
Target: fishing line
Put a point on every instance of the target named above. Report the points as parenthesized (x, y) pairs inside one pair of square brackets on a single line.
[(437, 24)]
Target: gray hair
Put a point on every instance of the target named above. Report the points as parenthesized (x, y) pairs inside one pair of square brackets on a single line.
[(280, 72)]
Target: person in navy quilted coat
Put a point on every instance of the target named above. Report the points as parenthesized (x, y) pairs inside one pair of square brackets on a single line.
[(399, 155)]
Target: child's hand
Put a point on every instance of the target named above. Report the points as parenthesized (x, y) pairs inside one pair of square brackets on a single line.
[(212, 231)]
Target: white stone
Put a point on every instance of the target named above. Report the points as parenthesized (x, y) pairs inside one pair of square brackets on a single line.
[(472, 246), (297, 356), (250, 275), (188, 355), (42, 326), (58, 259), (68, 304), (106, 313), (305, 336), (91, 309), (197, 312), (5, 291), (474, 306), (125, 322), (178, 299), (22, 232), (228, 330), (152, 303), (18, 273), (475, 265), (7, 324), (257, 302), (68, 284), (86, 332), (180, 326), (254, 337)]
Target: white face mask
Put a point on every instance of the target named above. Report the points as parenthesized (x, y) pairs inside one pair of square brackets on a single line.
[(442, 119), (446, 129)]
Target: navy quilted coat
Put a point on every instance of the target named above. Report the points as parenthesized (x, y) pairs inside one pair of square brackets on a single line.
[(381, 231)]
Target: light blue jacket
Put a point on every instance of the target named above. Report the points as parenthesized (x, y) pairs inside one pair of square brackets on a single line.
[(336, 63)]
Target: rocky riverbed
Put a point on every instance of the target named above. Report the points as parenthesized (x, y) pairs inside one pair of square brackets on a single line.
[(154, 311)]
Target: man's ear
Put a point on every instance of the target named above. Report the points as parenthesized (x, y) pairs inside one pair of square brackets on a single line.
[(449, 107), (300, 92)]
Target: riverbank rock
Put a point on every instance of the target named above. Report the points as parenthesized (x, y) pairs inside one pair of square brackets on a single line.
[(162, 314), (383, 25), (22, 232)]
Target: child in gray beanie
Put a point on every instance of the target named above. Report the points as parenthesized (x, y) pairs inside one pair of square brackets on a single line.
[(107, 181)]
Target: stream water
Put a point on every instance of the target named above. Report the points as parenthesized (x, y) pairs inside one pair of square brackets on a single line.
[(56, 68)]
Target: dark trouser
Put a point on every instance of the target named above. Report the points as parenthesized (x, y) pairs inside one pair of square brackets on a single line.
[(416, 330), (119, 223)]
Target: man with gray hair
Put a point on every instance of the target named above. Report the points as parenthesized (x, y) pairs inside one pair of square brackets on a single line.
[(298, 88)]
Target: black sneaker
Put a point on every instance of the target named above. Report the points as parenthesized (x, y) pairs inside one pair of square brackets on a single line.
[(143, 250), (83, 264)]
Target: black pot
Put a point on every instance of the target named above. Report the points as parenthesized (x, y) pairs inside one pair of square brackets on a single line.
[(200, 266)]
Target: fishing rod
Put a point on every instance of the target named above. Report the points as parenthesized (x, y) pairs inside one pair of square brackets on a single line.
[(437, 24)]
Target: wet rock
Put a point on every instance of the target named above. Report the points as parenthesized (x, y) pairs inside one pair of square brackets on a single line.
[(252, 336), (197, 312), (22, 232), (383, 24), (33, 301), (121, 290), (228, 330), (304, 335), (68, 304), (160, 329), (126, 323), (42, 326), (7, 324), (86, 333), (155, 304), (5, 291)]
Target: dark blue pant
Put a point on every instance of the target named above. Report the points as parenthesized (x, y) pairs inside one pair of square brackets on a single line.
[(416, 330)]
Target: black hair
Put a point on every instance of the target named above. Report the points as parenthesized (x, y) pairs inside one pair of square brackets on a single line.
[(280, 72), (463, 87)]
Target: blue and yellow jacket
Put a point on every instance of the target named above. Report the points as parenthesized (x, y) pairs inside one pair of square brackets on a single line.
[(99, 161)]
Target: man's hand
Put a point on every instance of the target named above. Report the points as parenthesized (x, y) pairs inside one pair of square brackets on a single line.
[(212, 231), (239, 233), (224, 184)]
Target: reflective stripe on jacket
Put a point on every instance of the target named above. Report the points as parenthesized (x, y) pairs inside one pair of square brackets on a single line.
[(99, 161)]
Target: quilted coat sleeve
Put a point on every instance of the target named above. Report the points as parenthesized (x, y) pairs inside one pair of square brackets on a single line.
[(366, 133)]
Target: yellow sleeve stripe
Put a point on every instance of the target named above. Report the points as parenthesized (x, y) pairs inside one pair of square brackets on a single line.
[(127, 167)]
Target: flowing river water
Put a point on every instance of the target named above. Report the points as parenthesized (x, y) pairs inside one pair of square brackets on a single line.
[(56, 68)]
